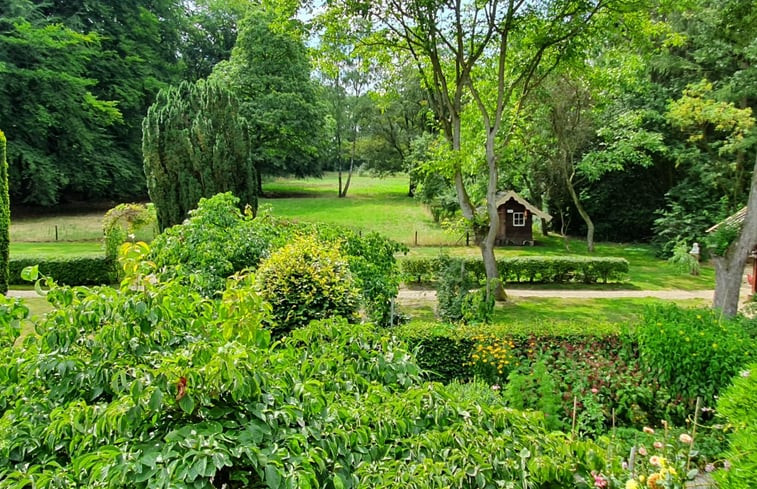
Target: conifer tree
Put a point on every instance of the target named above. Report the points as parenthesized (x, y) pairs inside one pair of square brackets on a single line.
[(196, 144), (5, 217)]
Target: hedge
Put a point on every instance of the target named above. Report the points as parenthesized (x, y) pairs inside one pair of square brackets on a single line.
[(67, 271), (543, 269), (444, 351)]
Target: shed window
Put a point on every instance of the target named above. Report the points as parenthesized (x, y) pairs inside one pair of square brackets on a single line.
[(519, 219)]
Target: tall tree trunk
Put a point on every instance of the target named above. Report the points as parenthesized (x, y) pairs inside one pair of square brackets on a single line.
[(343, 192), (584, 215), (729, 269)]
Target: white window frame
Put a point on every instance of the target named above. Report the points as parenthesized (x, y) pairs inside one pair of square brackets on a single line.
[(519, 217)]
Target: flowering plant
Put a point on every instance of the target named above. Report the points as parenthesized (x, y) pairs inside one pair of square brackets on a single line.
[(666, 464)]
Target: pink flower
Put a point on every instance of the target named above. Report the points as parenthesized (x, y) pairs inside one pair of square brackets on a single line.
[(599, 480), (685, 438), (709, 468), (495, 387), (658, 445), (649, 430), (642, 451), (654, 460), (594, 390)]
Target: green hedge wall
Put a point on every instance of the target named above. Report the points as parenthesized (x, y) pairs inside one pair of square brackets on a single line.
[(444, 350), (67, 271), (543, 269)]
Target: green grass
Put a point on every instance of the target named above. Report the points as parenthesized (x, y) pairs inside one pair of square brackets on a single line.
[(532, 310), (19, 249), (371, 204), (74, 227)]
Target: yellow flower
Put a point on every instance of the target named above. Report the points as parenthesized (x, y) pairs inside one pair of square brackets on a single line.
[(632, 484)]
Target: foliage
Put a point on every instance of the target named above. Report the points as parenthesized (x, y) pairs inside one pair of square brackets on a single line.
[(270, 73), (545, 269), (5, 217), (735, 405), (77, 78), (683, 260), (719, 240), (663, 459), (124, 220), (157, 386), (454, 281), (98, 270), (218, 240), (535, 388), (693, 353), (304, 281), (196, 144)]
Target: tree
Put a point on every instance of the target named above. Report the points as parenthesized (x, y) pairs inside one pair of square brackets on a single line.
[(211, 28), (717, 124), (76, 78), (196, 144), (492, 53), (5, 217), (270, 73), (57, 128)]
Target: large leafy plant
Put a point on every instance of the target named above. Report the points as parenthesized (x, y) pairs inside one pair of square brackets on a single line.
[(155, 385)]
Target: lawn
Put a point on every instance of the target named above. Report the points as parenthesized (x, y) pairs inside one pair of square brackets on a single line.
[(372, 204), (556, 310)]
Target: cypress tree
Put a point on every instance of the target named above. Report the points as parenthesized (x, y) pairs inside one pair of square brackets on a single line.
[(5, 217), (196, 144)]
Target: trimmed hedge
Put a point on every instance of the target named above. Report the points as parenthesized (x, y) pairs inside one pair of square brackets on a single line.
[(445, 350), (543, 269), (67, 271)]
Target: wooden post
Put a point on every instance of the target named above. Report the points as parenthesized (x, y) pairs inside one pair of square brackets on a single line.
[(56, 232), (416, 238), (467, 238)]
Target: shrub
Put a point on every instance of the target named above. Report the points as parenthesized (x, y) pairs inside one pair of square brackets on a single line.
[(159, 386), (737, 404), (693, 352), (215, 242), (5, 217), (535, 388), (218, 240), (544, 269), (196, 144), (305, 281), (123, 220), (454, 282), (67, 271)]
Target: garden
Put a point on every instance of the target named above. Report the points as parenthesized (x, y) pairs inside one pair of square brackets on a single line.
[(242, 351)]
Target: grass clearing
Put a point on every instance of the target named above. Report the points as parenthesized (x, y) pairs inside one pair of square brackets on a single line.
[(60, 249), (74, 227), (372, 204), (534, 310)]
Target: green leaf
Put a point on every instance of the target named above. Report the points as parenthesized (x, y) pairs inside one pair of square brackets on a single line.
[(156, 400), (272, 476), (30, 274), (187, 404)]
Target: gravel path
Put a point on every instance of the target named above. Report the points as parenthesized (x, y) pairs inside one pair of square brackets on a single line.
[(407, 294)]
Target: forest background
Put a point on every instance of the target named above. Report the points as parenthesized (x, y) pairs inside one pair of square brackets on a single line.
[(650, 137)]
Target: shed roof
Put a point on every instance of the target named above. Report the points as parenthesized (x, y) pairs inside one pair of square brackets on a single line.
[(733, 220), (503, 197)]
